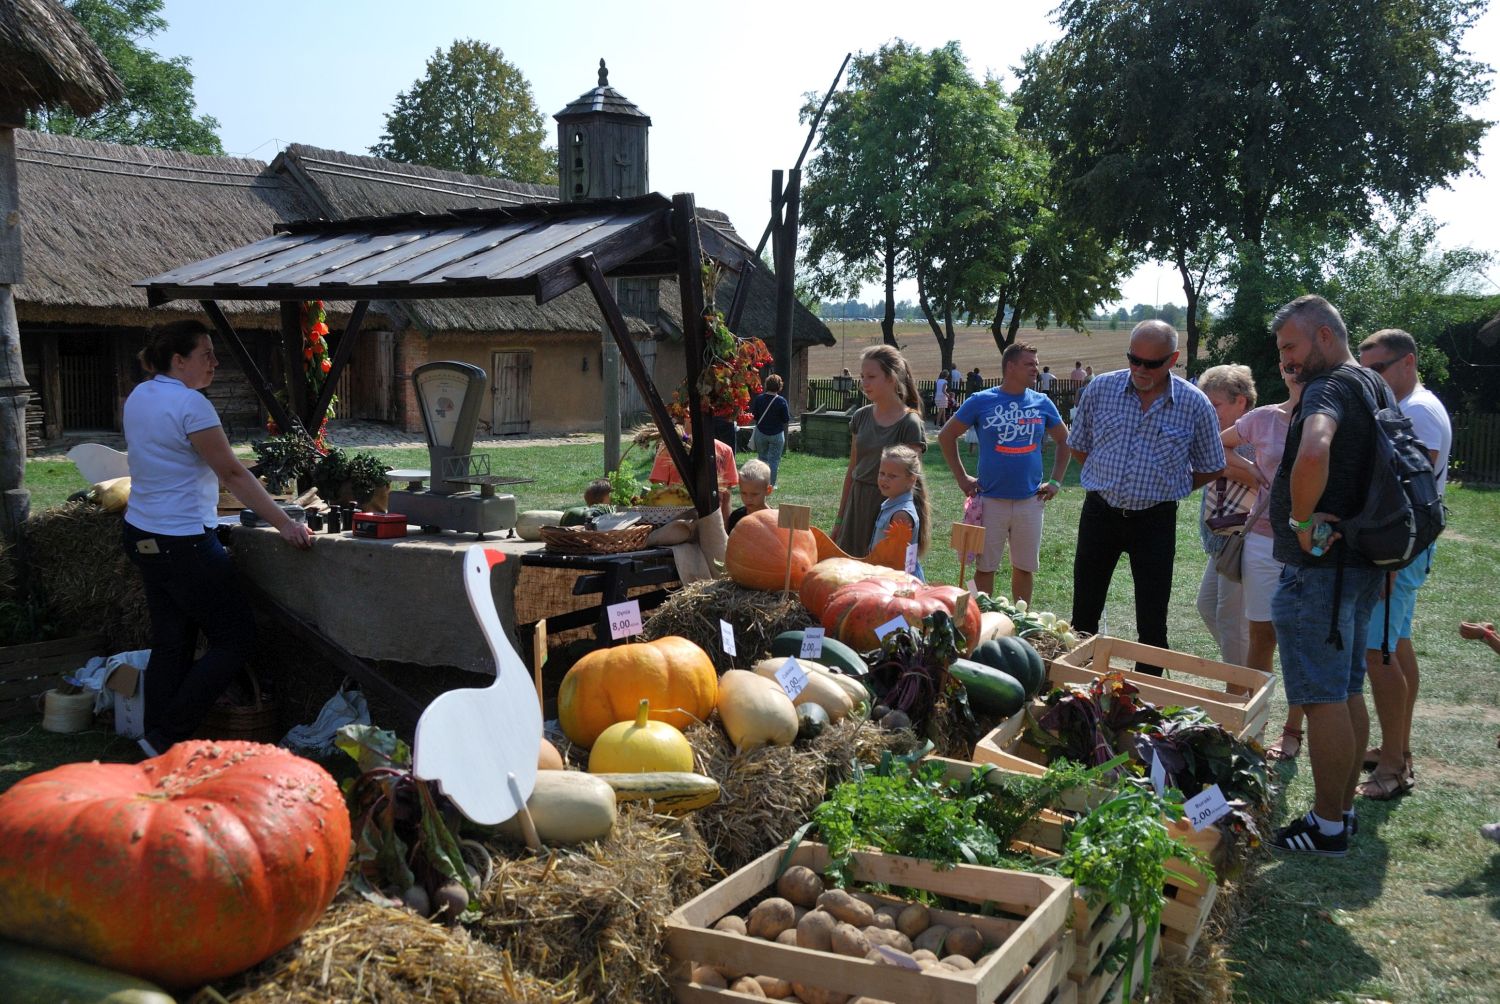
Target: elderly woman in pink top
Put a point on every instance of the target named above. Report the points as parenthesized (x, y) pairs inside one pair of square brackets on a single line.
[(1265, 429)]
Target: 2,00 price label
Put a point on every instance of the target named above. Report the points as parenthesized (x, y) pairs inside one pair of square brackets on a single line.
[(1206, 808), (624, 619), (812, 644), (792, 678)]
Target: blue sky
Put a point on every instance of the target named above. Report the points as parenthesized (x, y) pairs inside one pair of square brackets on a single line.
[(721, 82)]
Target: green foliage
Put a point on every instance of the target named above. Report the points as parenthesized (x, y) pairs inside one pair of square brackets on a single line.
[(473, 112), (285, 459), (363, 472), (158, 109)]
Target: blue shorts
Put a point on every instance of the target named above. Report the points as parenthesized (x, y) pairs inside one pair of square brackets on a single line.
[(1312, 669), (1403, 602)]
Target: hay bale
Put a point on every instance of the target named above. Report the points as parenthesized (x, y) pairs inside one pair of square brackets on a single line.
[(593, 918), (362, 952), (694, 612), (767, 793), (82, 576)]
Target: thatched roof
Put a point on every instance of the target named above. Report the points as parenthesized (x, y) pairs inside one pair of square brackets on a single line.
[(47, 59), (98, 216), (1489, 333)]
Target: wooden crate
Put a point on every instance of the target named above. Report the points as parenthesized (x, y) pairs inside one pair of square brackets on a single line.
[(29, 670), (1027, 923), (1237, 697)]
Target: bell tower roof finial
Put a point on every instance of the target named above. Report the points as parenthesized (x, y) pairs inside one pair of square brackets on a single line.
[(603, 74), (603, 100)]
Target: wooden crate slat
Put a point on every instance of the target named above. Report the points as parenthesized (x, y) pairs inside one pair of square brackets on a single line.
[(12, 690), (88, 645), (1153, 689)]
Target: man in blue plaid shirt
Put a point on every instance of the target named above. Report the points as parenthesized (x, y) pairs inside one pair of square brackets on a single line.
[(1144, 439)]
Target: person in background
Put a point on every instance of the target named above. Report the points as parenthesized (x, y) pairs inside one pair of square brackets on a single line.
[(1483, 631), (1010, 423), (755, 491), (598, 492), (178, 457), (1046, 380), (772, 416), (893, 417), (1144, 439), (905, 501), (1088, 373), (940, 398), (1264, 430), (1221, 601), (975, 382), (1078, 376), (1394, 681), (664, 472)]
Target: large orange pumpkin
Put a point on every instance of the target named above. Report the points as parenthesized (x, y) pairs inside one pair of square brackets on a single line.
[(182, 869), (855, 611), (607, 686), (832, 574), (756, 555)]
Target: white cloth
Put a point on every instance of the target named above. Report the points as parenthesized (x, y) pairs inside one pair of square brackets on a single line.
[(173, 491), (347, 707), (1430, 424), (1260, 573)]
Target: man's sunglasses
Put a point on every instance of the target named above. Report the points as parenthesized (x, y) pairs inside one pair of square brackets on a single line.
[(1147, 364), (1381, 367)]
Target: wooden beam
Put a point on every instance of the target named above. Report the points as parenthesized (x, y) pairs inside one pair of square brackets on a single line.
[(741, 297), (588, 266), (258, 382), (702, 475), (341, 355), (812, 130), (785, 254), (292, 361)]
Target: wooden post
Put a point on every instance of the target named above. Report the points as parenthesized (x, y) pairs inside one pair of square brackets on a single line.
[(792, 518), (14, 391), (258, 382), (967, 539), (702, 477), (291, 354), (319, 408), (784, 249), (539, 655)]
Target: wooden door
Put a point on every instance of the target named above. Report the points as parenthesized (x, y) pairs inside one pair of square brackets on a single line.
[(86, 369), (632, 402), (510, 382)]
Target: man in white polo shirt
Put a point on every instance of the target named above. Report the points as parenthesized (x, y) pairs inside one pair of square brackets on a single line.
[(1390, 659)]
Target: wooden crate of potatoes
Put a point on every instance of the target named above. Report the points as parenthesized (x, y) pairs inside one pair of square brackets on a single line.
[(1016, 952)]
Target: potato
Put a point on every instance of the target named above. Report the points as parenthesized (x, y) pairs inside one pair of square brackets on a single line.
[(708, 976), (914, 920), (850, 940), (787, 937), (798, 912), (846, 908), (965, 941), (924, 953), (867, 1000), (817, 995), (940, 967), (891, 910), (879, 955), (892, 939), (800, 885), (731, 924), (925, 964), (932, 939), (774, 987), (769, 918), (747, 986), (883, 921), (815, 931), (957, 962)]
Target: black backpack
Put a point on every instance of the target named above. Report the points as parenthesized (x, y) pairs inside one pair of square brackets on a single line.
[(1403, 513)]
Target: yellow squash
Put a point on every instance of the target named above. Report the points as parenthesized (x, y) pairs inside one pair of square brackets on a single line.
[(639, 746)]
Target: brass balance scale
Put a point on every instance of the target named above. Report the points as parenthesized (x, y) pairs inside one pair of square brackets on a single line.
[(462, 497)]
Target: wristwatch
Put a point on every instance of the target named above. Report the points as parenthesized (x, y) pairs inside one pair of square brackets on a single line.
[(1298, 525)]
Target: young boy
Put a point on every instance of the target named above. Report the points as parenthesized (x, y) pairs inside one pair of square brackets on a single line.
[(755, 489), (597, 493)]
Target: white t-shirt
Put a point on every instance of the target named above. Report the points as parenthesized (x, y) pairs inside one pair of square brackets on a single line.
[(173, 491), (940, 393), (1046, 380), (1430, 424)]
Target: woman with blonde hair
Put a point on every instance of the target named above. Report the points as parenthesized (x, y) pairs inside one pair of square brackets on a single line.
[(892, 418), (1221, 600)]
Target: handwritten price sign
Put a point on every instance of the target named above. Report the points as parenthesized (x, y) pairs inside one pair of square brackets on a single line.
[(624, 619), (726, 637), (791, 677), (1206, 808), (894, 624), (812, 644)]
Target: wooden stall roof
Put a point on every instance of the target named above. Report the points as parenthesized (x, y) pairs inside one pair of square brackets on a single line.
[(527, 250)]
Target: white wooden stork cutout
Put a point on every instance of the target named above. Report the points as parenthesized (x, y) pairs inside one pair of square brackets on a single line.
[(480, 744)]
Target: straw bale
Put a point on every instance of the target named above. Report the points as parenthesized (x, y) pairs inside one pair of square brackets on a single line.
[(593, 918), (86, 582), (694, 612), (362, 952), (766, 794)]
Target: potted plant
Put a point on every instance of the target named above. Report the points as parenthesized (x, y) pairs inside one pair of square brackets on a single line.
[(282, 461), (360, 477)]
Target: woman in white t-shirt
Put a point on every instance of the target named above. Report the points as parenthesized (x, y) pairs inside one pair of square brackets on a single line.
[(178, 457)]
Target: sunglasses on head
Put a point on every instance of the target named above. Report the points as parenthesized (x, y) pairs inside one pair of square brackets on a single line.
[(1147, 364), (1381, 367)]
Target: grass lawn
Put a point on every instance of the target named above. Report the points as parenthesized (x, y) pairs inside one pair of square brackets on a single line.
[(1410, 915)]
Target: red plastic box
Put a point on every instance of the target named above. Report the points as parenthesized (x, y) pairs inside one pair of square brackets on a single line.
[(379, 524)]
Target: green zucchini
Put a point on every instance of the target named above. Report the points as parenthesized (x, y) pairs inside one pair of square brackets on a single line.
[(991, 691), (836, 655), (35, 976)]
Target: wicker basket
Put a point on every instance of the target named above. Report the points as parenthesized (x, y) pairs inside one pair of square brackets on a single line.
[(251, 722), (573, 540)]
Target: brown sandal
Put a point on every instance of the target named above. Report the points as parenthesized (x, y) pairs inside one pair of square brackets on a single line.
[(1278, 749), (1380, 787)]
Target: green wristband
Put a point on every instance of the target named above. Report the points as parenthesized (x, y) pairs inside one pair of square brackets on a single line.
[(1054, 482), (1299, 524)]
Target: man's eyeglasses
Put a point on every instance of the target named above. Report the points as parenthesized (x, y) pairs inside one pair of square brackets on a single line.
[(1148, 364), (1381, 367)]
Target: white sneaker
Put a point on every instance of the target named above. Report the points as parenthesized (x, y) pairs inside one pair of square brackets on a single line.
[(1490, 831)]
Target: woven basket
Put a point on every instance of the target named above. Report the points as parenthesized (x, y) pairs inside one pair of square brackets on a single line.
[(251, 722), (573, 540)]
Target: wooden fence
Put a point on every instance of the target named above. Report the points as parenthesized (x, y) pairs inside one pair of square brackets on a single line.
[(843, 394), (1475, 458)]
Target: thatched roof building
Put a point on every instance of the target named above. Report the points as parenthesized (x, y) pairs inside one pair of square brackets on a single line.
[(47, 59)]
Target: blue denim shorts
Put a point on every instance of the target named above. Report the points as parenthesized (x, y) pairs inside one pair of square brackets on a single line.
[(1313, 670), (1403, 602)]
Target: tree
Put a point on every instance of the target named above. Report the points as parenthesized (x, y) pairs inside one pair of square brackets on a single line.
[(472, 112), (158, 109), (1195, 130)]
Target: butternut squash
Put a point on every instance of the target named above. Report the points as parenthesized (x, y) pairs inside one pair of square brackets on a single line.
[(820, 689), (567, 807)]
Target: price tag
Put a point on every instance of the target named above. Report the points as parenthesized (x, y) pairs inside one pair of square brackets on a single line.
[(812, 644), (1158, 775), (791, 678), (911, 559), (894, 624), (1206, 807), (624, 619), (726, 633), (973, 589)]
